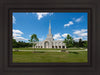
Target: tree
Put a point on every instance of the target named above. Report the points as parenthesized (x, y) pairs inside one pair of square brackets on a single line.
[(33, 40), (85, 44), (14, 43), (19, 44), (80, 42), (68, 41), (75, 44)]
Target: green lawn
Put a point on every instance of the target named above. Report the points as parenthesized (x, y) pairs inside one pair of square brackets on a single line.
[(45, 57)]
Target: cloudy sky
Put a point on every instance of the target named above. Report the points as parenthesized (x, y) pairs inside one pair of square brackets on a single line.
[(27, 23)]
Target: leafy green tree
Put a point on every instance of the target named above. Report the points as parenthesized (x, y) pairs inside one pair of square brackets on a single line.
[(68, 41), (14, 43), (19, 44), (80, 43), (33, 40), (75, 44), (85, 44)]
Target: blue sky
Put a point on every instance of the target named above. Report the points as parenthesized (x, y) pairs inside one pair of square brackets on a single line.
[(27, 23)]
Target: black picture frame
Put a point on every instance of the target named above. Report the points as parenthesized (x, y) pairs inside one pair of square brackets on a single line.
[(10, 54), (90, 68)]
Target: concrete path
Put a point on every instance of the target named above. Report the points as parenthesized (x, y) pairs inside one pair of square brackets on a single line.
[(50, 50)]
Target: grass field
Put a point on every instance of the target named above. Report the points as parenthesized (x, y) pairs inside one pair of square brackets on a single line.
[(45, 57)]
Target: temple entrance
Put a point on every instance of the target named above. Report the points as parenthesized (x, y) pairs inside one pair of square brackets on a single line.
[(46, 44), (63, 46)]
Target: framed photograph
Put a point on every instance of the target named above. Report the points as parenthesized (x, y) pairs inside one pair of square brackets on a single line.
[(63, 43), (49, 38)]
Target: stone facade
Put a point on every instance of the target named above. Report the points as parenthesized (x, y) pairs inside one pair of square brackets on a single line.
[(49, 42)]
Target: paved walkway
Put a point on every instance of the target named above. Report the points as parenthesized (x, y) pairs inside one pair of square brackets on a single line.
[(50, 50)]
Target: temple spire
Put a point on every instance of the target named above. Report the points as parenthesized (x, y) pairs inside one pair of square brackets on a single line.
[(49, 27)]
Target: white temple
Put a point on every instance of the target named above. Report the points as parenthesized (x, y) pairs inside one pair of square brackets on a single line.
[(49, 42)]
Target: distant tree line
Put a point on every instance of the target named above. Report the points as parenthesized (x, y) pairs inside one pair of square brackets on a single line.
[(72, 43), (80, 43), (21, 44)]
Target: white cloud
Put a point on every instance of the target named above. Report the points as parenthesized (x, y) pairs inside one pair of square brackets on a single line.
[(81, 34), (42, 14), (69, 23), (14, 19), (78, 19), (14, 34), (57, 36), (77, 39), (17, 35), (64, 35), (20, 38), (17, 31), (83, 30)]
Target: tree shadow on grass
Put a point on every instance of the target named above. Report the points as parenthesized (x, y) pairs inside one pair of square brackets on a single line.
[(38, 52), (74, 52)]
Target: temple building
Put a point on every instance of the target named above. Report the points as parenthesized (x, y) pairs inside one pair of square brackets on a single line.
[(49, 42)]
